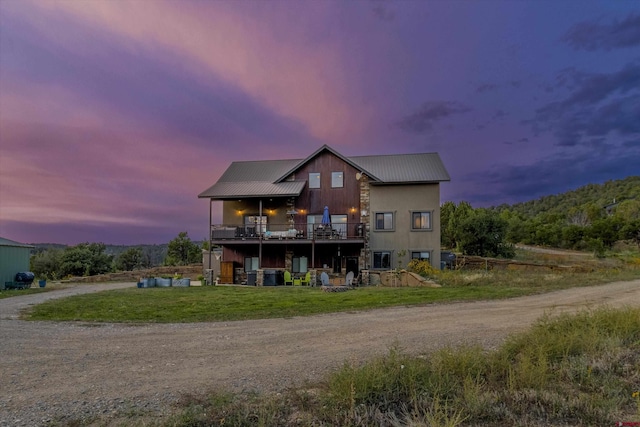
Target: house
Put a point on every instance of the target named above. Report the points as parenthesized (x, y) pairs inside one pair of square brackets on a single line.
[(14, 258), (379, 212)]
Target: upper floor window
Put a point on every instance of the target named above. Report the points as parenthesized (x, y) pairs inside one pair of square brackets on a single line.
[(314, 180), (421, 220), (384, 221), (337, 179)]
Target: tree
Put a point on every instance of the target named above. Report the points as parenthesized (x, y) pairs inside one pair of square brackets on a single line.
[(182, 251), (483, 233), (46, 264), (85, 259), (631, 231), (606, 230), (572, 236), (460, 214), (447, 210), (130, 259)]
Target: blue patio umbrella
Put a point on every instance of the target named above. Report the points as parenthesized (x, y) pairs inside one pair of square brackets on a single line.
[(326, 219)]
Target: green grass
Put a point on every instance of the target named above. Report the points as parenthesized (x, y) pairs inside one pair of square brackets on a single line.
[(577, 369), (223, 303)]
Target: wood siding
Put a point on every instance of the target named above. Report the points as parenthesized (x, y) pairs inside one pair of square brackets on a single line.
[(339, 200)]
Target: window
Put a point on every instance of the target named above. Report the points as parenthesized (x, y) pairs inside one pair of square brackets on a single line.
[(384, 221), (421, 255), (251, 263), (314, 180), (337, 179), (299, 264), (382, 260), (421, 220)]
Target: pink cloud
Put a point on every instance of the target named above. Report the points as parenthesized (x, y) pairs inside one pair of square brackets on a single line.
[(262, 49), (67, 164)]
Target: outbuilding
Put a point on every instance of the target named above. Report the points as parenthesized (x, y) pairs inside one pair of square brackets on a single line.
[(14, 258)]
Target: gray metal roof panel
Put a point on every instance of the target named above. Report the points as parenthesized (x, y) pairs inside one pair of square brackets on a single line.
[(227, 190), (404, 168), (260, 170), (264, 177), (7, 242)]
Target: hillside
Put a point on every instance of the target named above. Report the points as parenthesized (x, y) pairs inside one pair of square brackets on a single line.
[(594, 217), (588, 198)]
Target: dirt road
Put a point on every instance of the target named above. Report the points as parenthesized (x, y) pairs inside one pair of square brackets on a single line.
[(53, 370)]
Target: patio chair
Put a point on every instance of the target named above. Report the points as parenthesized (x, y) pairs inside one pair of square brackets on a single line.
[(324, 279), (306, 279), (349, 279), (287, 278)]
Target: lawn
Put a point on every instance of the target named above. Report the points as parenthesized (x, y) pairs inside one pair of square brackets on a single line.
[(224, 303)]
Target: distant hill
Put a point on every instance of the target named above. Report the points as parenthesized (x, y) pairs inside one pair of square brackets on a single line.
[(589, 197), (592, 217)]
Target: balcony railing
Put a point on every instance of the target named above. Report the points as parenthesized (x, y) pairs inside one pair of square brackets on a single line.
[(339, 231)]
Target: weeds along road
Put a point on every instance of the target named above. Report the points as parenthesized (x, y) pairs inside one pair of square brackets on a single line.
[(51, 369)]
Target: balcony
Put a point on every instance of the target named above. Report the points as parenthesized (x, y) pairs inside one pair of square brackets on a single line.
[(301, 233)]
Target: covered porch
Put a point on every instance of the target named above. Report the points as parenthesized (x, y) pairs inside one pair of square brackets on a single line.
[(297, 256)]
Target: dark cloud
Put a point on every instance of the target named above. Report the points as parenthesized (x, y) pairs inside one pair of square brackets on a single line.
[(552, 175), (486, 87), (519, 141), (597, 105), (593, 35), (424, 119), (383, 13), (499, 114)]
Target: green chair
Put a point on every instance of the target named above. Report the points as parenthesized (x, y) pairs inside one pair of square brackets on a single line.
[(287, 278), (307, 278)]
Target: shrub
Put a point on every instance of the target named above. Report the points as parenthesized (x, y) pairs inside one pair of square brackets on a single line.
[(422, 267)]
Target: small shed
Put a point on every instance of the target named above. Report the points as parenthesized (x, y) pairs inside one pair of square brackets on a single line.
[(14, 258)]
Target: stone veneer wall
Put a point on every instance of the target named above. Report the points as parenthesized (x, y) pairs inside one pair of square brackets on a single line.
[(365, 214)]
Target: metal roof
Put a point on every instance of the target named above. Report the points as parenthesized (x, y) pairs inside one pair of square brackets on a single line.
[(265, 177), (245, 189), (7, 242), (404, 168)]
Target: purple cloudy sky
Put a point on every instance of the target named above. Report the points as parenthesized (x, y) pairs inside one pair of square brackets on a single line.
[(114, 115)]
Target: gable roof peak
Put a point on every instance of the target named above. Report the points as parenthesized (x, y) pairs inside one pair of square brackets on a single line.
[(316, 153)]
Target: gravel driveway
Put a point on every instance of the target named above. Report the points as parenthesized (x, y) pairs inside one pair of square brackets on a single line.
[(61, 371)]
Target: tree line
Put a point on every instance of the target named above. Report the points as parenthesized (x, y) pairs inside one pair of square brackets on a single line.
[(593, 217), (88, 259)]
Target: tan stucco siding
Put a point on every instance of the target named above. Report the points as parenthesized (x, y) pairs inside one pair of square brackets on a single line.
[(401, 200)]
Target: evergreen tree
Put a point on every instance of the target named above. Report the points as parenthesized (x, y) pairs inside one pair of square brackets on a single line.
[(182, 251)]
